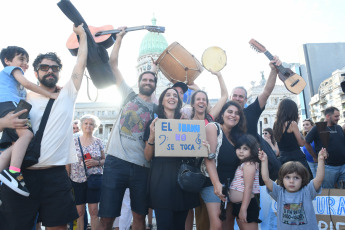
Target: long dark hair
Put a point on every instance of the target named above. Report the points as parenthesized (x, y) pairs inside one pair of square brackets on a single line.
[(240, 128), (192, 101), (160, 109), (287, 111), (270, 131), (252, 144)]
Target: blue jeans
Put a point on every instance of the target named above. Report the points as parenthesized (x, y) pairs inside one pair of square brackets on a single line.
[(313, 168), (333, 175)]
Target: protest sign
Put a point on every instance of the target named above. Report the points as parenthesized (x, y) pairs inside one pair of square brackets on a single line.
[(180, 138)]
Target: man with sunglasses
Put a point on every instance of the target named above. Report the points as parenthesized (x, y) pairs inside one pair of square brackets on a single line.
[(48, 182)]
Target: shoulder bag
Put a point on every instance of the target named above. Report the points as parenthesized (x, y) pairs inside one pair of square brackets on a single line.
[(33, 152), (94, 181)]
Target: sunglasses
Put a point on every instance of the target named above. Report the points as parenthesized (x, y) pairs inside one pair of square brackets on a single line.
[(45, 67)]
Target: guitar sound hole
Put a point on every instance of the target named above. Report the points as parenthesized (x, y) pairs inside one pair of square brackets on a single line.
[(295, 83)]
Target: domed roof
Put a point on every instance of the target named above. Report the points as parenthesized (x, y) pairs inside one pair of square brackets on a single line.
[(152, 43)]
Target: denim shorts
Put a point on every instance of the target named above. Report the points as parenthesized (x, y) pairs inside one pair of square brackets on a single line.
[(118, 175), (207, 194)]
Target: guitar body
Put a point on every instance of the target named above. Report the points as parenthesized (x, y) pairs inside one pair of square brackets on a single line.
[(105, 40), (292, 81)]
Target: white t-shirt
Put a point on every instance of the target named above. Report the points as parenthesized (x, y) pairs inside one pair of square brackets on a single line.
[(57, 146)]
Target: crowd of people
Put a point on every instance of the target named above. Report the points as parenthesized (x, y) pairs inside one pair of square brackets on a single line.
[(75, 169)]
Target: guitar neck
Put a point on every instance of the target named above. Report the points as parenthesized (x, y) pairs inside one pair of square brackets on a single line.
[(270, 57), (134, 28)]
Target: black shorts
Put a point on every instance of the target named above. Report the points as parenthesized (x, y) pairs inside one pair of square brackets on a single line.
[(50, 196), (252, 211), (118, 175), (8, 135), (84, 195)]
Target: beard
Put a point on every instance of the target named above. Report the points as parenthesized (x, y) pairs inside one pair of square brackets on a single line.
[(146, 91), (50, 83)]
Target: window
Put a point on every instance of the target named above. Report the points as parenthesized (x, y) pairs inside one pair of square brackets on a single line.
[(100, 129), (265, 120)]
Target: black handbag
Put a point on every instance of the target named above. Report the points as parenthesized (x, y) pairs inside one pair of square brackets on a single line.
[(94, 181), (190, 177), (33, 152)]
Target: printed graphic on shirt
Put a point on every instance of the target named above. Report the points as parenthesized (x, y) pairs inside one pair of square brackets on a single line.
[(134, 118), (293, 214)]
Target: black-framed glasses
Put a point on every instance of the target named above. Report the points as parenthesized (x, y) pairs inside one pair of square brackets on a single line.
[(45, 67)]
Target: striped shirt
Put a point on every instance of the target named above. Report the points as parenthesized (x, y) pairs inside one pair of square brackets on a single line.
[(238, 181)]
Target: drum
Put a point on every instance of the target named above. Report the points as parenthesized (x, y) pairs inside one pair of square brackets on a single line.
[(214, 58), (178, 65)]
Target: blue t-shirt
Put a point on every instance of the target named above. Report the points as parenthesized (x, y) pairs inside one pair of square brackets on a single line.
[(10, 89), (307, 154)]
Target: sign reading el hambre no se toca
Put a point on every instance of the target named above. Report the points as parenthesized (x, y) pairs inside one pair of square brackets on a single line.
[(180, 138)]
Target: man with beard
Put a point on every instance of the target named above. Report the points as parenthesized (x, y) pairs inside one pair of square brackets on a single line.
[(125, 165), (48, 182), (335, 163)]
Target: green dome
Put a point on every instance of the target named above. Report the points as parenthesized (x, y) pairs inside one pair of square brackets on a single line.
[(152, 43)]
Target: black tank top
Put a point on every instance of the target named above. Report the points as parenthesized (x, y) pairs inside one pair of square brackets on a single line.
[(288, 141)]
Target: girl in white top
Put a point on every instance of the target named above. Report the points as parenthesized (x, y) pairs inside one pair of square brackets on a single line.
[(246, 183)]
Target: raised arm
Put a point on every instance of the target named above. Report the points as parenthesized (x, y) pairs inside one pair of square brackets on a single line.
[(320, 173), (79, 68), (215, 110), (211, 136), (114, 56), (264, 170), (271, 81), (17, 74)]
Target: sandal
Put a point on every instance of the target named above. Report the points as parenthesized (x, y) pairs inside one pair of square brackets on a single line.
[(149, 227)]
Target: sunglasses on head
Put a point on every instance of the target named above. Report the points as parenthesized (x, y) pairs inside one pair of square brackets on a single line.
[(45, 67)]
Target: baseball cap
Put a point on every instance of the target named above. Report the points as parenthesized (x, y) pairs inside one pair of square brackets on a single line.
[(183, 86)]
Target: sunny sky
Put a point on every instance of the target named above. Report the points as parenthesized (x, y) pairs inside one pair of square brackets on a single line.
[(281, 26)]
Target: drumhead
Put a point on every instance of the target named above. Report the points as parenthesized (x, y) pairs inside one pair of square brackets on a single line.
[(214, 58)]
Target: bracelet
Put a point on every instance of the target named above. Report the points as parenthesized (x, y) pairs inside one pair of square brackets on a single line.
[(150, 143), (211, 156)]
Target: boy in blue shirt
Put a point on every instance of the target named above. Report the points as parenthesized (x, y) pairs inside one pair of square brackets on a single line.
[(12, 90)]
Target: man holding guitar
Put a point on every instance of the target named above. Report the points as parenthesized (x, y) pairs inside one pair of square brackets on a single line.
[(125, 166)]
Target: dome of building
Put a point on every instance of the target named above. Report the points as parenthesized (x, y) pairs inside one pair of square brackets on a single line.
[(152, 43)]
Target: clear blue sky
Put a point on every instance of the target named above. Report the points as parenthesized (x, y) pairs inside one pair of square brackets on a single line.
[(282, 26)]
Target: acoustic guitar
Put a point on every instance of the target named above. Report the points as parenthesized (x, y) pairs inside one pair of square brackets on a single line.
[(292, 81), (105, 36)]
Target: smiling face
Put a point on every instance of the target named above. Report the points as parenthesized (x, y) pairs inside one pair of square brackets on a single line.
[(170, 100), (48, 78), (147, 84), (239, 95), (200, 103), (243, 152), (88, 126), (231, 116), (19, 60), (292, 182)]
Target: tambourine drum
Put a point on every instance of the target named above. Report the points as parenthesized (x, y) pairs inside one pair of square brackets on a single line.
[(214, 58), (178, 65)]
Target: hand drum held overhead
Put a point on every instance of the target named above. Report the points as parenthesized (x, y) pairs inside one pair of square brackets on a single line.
[(214, 58)]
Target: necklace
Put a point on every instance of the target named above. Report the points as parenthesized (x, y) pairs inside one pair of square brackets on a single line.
[(332, 131)]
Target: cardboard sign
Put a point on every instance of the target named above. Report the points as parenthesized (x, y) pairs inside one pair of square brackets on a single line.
[(329, 207), (180, 138)]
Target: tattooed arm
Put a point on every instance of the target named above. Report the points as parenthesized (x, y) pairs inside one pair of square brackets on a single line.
[(79, 68)]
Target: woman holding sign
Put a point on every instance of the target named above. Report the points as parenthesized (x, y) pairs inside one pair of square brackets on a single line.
[(170, 202), (222, 167)]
